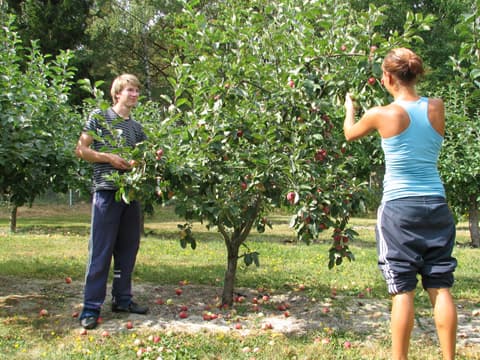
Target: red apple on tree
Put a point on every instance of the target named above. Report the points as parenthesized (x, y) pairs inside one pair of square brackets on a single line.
[(159, 154), (321, 155), (372, 80), (292, 197)]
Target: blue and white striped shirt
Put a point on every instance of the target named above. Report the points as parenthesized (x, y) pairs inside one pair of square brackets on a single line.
[(110, 133)]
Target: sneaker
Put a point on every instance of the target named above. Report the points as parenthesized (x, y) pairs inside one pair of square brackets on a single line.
[(89, 318), (133, 308)]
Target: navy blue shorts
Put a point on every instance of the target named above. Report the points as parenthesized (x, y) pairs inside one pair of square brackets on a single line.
[(416, 235)]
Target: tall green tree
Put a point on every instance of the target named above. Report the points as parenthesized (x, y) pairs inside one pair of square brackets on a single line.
[(37, 123), (131, 36), (56, 26)]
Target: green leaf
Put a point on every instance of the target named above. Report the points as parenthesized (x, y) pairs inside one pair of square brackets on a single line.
[(255, 256), (183, 243), (247, 258)]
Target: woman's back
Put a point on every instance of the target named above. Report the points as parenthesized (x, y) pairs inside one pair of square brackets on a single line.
[(411, 154)]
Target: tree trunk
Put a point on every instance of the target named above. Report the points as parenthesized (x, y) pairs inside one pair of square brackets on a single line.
[(473, 222), (230, 273), (233, 243), (13, 218)]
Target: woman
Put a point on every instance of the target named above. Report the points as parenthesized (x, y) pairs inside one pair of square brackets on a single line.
[(415, 229)]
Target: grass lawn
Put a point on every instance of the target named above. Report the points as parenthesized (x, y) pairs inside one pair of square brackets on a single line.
[(313, 312)]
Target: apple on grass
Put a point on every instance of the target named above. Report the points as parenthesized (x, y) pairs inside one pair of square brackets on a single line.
[(129, 325), (267, 326), (183, 314), (43, 312), (68, 280), (178, 291)]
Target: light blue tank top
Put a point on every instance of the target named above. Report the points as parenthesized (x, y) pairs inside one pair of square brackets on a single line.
[(411, 156)]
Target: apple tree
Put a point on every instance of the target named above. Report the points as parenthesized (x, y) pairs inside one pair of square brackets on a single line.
[(36, 122), (253, 121), (460, 158)]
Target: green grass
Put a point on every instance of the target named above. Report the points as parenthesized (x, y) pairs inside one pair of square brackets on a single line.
[(51, 243)]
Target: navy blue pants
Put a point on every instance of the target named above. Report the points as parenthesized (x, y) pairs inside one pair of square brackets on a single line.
[(115, 232), (416, 235)]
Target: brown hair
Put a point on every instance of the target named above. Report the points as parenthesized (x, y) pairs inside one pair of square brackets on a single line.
[(404, 64), (121, 82)]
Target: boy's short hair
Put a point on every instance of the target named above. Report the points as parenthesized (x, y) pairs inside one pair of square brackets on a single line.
[(121, 82)]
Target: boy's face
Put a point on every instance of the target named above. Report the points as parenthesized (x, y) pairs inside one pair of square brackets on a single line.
[(128, 96)]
